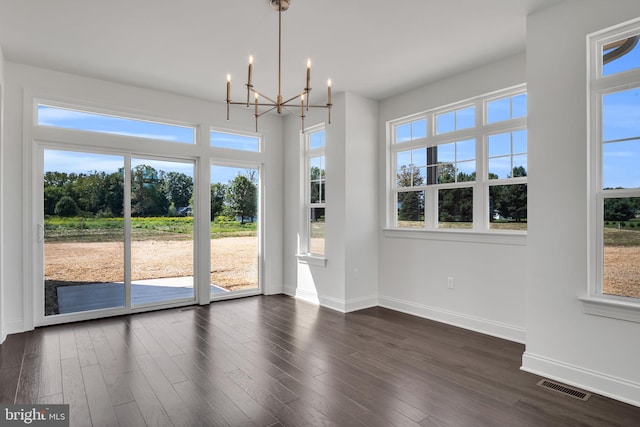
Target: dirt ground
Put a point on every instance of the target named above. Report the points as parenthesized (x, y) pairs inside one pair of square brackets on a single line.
[(234, 261), (623, 275)]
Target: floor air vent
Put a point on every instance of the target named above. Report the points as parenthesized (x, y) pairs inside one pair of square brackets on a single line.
[(568, 391)]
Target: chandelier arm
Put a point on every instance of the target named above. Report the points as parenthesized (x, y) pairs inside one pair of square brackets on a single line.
[(273, 107), (290, 111), (274, 102), (293, 98)]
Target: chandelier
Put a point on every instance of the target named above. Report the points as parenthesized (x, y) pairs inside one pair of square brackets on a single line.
[(263, 104)]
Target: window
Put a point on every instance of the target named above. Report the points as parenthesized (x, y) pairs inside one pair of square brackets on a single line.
[(315, 192), (440, 176), (615, 178), (67, 118), (235, 141)]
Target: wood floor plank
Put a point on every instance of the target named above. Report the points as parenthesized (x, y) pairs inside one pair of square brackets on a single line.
[(129, 415), (151, 409), (100, 408), (277, 361), (73, 391)]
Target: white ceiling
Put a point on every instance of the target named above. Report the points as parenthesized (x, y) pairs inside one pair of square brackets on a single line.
[(374, 48)]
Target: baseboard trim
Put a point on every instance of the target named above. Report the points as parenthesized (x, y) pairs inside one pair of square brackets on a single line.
[(596, 382), (477, 324), (14, 327), (356, 304), (343, 306)]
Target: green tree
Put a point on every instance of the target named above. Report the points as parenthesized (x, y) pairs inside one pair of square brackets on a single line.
[(241, 198), (52, 195), (147, 197), (618, 209), (455, 205), (218, 191), (66, 206), (178, 188), (411, 206)]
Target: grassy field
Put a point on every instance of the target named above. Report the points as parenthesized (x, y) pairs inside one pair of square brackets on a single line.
[(58, 229)]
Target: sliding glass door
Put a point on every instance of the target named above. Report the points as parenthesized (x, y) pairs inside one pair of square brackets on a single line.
[(116, 240)]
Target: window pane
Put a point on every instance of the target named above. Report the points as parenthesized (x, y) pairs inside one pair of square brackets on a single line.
[(519, 106), (161, 231), (403, 132), (235, 141), (621, 115), (519, 166), (466, 150), (498, 110), (102, 123), (316, 140), (455, 208), (419, 129), (466, 171), (519, 141), (613, 63), (446, 122), (403, 158), (411, 209), (446, 173), (500, 167), (620, 164), (314, 192), (499, 145), (419, 157), (446, 153), (621, 272), (234, 229), (408, 176), (466, 118), (508, 207), (84, 231), (316, 231)]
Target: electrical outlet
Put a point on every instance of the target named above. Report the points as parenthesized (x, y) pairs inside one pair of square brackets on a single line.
[(451, 282)]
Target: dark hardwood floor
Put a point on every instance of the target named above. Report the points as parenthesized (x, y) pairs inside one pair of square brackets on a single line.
[(271, 361)]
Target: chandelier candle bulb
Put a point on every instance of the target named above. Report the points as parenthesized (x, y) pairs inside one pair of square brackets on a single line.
[(249, 85), (228, 93), (329, 92)]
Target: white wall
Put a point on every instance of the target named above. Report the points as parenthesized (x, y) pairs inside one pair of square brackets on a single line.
[(563, 342), (351, 221), (21, 80), (2, 299), (489, 295)]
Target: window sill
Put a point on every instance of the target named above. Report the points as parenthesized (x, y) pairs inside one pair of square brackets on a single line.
[(613, 308), (317, 260), (495, 238)]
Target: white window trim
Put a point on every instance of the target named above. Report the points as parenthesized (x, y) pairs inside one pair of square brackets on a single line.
[(304, 254), (595, 302), (481, 220)]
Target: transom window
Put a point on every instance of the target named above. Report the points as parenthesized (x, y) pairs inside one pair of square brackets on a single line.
[(67, 118), (235, 141), (439, 173)]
